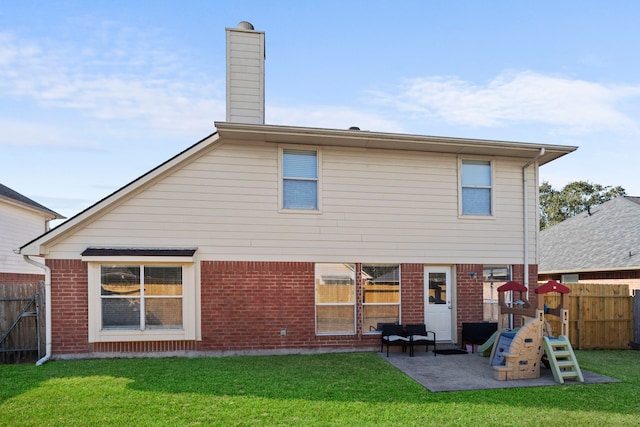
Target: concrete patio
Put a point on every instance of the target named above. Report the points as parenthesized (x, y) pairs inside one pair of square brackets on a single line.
[(459, 372)]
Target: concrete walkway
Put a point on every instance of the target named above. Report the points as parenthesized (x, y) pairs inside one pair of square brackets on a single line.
[(458, 372)]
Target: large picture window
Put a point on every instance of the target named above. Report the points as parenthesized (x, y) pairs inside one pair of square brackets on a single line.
[(300, 179), (151, 298), (476, 183), (141, 297), (335, 298), (380, 295)]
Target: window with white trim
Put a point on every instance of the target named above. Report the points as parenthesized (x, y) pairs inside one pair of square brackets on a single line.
[(476, 187), (335, 298), (493, 276), (299, 179), (142, 298), (380, 295)]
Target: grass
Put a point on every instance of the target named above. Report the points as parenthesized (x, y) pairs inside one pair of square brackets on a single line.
[(354, 389)]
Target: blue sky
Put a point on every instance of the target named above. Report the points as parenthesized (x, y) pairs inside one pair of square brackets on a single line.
[(94, 94)]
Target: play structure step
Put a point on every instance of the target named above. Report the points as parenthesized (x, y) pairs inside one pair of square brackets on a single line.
[(562, 359), (561, 354)]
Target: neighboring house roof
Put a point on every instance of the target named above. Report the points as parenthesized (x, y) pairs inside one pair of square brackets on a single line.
[(606, 239), (11, 196), (228, 132)]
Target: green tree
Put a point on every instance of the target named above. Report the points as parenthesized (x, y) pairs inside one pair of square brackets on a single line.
[(574, 198)]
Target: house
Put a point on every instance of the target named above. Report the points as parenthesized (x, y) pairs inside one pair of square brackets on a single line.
[(21, 219), (272, 239), (600, 246)]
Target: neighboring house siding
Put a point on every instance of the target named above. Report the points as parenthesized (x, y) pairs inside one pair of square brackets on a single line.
[(377, 206), (630, 278), (20, 278), (17, 226)]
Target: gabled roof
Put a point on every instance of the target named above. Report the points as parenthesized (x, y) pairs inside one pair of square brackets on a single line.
[(11, 196), (606, 239), (228, 132)]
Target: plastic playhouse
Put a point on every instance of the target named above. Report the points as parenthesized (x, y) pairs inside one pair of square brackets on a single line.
[(517, 353)]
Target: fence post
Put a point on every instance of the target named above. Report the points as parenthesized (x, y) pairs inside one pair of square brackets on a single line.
[(579, 323), (636, 315)]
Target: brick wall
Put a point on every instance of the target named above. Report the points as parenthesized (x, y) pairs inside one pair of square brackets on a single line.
[(468, 294), (69, 333), (412, 277), (246, 305), (20, 279)]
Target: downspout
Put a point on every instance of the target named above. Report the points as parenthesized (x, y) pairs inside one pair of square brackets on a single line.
[(525, 217), (47, 299)]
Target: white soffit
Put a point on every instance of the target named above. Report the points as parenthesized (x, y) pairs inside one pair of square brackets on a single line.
[(389, 141)]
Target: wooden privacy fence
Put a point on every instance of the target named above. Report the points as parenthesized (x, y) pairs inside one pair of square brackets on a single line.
[(21, 323), (600, 316)]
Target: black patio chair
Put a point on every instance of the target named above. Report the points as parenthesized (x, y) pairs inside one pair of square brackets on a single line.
[(419, 335), (380, 325), (393, 335)]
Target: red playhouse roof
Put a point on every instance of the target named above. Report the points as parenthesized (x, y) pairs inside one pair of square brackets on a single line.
[(512, 286), (552, 286)]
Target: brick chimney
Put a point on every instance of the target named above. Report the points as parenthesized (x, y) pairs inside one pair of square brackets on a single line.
[(245, 74)]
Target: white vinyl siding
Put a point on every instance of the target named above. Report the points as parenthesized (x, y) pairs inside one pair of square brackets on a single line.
[(381, 206), (17, 227)]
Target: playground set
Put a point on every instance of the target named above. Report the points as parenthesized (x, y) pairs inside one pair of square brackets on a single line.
[(517, 353)]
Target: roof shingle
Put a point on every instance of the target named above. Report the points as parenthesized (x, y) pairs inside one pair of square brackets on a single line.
[(606, 239)]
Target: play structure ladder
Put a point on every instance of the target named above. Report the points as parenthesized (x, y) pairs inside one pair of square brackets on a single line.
[(562, 359)]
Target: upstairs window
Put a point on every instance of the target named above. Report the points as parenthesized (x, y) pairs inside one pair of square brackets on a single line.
[(476, 179), (300, 179)]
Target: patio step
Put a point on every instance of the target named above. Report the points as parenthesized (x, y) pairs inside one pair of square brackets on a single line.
[(562, 359)]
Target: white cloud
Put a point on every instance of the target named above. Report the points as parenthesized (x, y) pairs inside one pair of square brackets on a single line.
[(130, 80), (576, 106), (31, 134)]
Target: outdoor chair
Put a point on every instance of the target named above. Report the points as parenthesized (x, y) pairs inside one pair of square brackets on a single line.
[(393, 335), (379, 326), (419, 335)]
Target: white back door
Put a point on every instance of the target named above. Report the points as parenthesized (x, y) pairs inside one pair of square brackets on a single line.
[(438, 308)]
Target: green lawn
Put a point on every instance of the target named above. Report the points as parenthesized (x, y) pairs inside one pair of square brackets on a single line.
[(354, 389)]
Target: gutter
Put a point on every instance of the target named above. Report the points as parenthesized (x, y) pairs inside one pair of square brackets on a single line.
[(525, 217), (47, 299)]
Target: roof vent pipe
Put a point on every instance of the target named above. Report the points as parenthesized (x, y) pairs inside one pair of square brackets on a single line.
[(244, 25)]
